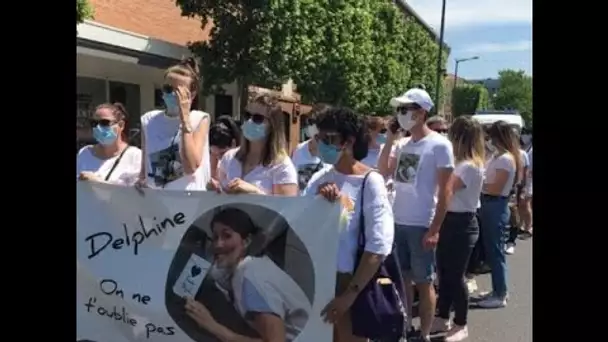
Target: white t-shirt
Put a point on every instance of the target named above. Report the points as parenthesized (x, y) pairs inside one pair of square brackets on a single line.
[(371, 159), (415, 178), (501, 162), (264, 177), (466, 199), (162, 145), (379, 223), (260, 286), (125, 173), (306, 164)]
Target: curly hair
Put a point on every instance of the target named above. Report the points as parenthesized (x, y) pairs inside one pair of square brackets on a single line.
[(349, 125)]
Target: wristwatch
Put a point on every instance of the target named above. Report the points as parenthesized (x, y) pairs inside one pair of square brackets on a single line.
[(186, 128)]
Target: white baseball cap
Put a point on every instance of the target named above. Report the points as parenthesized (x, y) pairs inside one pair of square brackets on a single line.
[(415, 95)]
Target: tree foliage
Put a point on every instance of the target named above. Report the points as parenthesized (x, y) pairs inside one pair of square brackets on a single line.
[(84, 10), (468, 98), (515, 92), (352, 52)]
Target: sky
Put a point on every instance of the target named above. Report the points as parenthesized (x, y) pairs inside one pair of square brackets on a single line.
[(499, 32)]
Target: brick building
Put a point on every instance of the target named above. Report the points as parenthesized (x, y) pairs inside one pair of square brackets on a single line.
[(122, 54)]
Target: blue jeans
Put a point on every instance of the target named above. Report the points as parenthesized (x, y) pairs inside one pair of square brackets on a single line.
[(494, 219)]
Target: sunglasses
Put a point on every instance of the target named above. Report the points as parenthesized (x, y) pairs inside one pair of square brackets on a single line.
[(101, 122), (167, 89), (405, 109), (441, 130), (255, 117), (383, 131)]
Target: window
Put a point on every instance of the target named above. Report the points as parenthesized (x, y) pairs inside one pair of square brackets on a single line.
[(90, 92), (223, 105), (129, 95)]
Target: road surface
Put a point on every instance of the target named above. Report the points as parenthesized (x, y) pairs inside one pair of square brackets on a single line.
[(513, 323)]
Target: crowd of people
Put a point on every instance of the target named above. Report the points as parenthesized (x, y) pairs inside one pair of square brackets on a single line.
[(447, 199)]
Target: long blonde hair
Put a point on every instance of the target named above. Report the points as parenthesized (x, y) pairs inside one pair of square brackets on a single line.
[(466, 135), (504, 138), (275, 146)]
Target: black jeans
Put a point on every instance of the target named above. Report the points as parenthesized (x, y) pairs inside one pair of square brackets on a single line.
[(458, 236)]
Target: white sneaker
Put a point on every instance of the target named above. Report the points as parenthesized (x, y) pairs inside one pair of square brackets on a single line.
[(457, 334), (510, 248), (440, 325), (471, 286), (492, 302)]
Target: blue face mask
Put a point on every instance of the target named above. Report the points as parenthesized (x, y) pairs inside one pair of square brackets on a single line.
[(104, 135), (170, 100), (381, 139), (253, 131), (329, 154)]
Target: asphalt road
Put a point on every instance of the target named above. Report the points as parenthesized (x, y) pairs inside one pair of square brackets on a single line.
[(513, 323)]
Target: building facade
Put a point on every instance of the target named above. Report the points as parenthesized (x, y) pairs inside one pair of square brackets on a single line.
[(122, 54)]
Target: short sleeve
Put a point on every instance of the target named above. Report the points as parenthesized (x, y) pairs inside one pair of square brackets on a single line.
[(223, 166), (524, 158), (260, 297), (284, 172), (79, 159), (503, 162), (444, 156), (468, 173), (378, 215), (131, 171), (197, 118), (314, 182)]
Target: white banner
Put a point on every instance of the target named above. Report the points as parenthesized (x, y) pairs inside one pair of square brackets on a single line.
[(245, 260)]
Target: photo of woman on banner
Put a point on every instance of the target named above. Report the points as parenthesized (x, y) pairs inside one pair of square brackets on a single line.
[(271, 302)]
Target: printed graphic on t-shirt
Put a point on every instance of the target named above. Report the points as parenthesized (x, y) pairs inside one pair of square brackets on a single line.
[(348, 208), (305, 172), (407, 166), (166, 165)]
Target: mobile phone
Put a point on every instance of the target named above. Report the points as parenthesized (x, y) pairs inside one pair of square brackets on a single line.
[(394, 125), (190, 280)]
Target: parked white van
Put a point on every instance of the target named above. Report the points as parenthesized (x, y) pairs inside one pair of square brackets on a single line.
[(487, 118)]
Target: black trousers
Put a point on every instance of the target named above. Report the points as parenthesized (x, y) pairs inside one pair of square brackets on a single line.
[(458, 236)]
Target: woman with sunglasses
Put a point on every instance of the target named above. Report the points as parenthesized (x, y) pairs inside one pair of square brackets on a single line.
[(460, 229), (261, 165), (224, 135), (343, 143), (377, 138), (111, 160), (174, 140), (503, 171)]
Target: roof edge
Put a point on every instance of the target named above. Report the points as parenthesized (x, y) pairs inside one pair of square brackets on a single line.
[(405, 6)]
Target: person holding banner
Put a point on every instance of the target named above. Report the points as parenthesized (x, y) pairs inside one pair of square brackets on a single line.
[(263, 294), (343, 143), (224, 135), (261, 165), (174, 140), (111, 160)]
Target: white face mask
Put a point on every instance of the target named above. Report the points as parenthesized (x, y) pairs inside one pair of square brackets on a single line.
[(526, 138), (405, 120), (311, 131)]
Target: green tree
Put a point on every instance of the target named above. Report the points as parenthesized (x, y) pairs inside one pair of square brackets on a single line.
[(84, 10), (468, 98), (351, 52), (515, 92)]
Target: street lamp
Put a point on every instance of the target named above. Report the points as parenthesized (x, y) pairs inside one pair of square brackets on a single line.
[(458, 61), (441, 31)]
